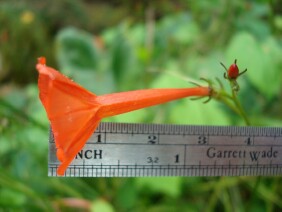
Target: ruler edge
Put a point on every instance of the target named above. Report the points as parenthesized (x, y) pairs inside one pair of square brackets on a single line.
[(112, 127)]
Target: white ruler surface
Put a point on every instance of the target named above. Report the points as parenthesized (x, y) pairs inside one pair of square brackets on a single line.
[(134, 150)]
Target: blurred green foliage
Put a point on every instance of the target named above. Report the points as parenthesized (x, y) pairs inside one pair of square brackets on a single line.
[(178, 41)]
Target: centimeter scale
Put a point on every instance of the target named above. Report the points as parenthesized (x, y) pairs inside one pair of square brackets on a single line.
[(133, 150)]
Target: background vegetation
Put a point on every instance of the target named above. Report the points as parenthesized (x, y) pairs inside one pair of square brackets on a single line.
[(127, 45)]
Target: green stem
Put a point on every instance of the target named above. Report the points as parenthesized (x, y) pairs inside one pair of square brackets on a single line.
[(231, 100), (229, 104), (222, 96), (240, 108)]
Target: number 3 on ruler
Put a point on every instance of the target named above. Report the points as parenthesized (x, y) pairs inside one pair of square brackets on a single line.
[(203, 140)]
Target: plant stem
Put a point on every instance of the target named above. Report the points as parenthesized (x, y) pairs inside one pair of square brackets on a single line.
[(240, 108), (231, 101)]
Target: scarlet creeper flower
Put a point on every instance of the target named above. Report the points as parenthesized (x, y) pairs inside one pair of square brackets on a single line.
[(75, 113)]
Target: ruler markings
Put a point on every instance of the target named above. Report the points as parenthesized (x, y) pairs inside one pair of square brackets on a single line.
[(175, 129), (203, 170), (223, 145), (175, 150)]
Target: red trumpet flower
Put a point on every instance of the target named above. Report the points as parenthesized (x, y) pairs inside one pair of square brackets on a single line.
[(75, 113)]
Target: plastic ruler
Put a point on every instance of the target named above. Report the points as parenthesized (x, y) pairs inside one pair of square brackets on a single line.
[(133, 150)]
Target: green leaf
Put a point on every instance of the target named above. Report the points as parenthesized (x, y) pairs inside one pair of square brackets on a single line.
[(271, 76), (101, 205), (123, 59), (167, 185), (6, 146), (122, 55), (278, 22), (12, 198), (76, 51), (79, 59), (196, 112), (186, 32), (170, 80), (97, 82), (127, 194)]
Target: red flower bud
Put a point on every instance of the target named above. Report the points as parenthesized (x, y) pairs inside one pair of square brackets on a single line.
[(233, 71)]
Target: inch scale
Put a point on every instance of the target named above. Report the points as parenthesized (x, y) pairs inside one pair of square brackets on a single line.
[(134, 150)]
